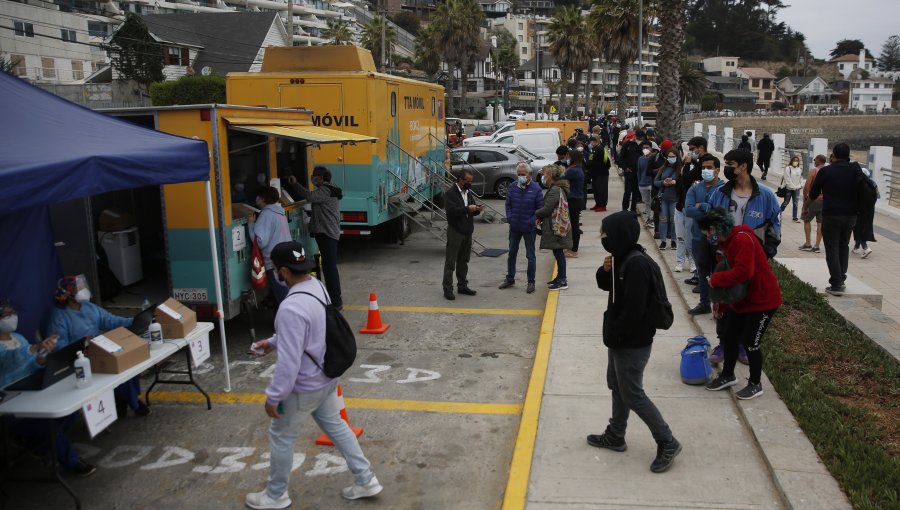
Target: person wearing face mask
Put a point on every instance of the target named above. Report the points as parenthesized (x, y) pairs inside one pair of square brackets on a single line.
[(522, 201), (575, 175), (76, 318), (629, 156), (558, 189), (792, 180), (743, 197), (562, 156), (325, 225), (666, 180), (461, 209), (745, 322), (696, 204), (269, 228), (598, 164), (812, 208), (646, 171)]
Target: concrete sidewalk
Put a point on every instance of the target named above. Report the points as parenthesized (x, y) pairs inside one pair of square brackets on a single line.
[(737, 455)]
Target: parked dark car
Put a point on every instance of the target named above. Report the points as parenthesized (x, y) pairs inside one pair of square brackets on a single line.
[(484, 129)]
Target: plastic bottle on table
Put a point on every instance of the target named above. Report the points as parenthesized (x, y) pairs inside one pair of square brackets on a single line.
[(82, 370), (156, 336)]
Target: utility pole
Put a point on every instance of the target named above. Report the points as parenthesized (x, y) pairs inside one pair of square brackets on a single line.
[(290, 26), (640, 60), (537, 68)]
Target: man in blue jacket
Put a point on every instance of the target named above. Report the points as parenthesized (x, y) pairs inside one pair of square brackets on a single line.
[(743, 197), (696, 204), (522, 200)]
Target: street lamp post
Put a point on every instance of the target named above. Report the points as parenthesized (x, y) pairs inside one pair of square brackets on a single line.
[(537, 68), (640, 120)]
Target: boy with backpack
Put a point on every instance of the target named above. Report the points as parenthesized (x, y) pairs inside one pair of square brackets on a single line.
[(636, 308)]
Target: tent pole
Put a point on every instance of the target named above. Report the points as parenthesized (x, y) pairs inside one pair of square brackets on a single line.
[(217, 278)]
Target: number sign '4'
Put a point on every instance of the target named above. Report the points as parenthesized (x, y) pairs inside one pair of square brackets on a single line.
[(100, 411), (199, 349)]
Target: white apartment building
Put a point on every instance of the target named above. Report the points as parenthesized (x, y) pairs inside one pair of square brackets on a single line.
[(523, 28), (724, 66), (871, 94), (846, 64), (50, 46)]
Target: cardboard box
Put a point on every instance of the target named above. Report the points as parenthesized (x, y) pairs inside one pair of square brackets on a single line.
[(115, 220), (128, 351), (242, 210), (177, 320)]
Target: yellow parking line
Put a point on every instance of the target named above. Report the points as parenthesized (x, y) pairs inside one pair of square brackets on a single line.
[(354, 403), (520, 466), (430, 309)]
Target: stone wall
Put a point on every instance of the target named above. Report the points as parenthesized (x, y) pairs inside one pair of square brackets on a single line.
[(860, 131)]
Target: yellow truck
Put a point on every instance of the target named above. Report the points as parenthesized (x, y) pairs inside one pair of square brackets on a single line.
[(340, 85), (566, 127)]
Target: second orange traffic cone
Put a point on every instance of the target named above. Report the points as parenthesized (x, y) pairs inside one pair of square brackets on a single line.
[(323, 438), (373, 325)]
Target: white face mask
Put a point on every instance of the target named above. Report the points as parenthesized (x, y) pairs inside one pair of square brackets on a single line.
[(83, 296), (523, 180), (9, 324), (646, 152)]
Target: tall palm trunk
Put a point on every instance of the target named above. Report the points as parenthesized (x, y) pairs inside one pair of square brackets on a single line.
[(589, 84), (622, 87), (575, 90), (463, 85), (449, 89), (562, 94), (669, 85)]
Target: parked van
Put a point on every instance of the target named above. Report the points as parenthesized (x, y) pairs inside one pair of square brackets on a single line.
[(540, 141)]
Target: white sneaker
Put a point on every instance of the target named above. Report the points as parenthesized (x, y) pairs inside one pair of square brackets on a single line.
[(679, 268), (858, 251), (362, 491), (693, 267), (261, 500), (866, 252)]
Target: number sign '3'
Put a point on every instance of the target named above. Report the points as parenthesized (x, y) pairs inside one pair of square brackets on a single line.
[(199, 349)]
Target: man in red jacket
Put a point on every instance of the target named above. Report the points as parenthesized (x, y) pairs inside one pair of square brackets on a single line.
[(745, 321)]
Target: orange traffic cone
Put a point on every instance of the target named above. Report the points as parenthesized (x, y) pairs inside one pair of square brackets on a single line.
[(373, 325), (323, 438)]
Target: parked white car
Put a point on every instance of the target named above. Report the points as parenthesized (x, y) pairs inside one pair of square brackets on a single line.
[(516, 115), (540, 141)]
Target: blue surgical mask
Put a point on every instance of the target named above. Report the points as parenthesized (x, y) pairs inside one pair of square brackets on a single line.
[(523, 180), (671, 160), (543, 181), (694, 156), (707, 174)]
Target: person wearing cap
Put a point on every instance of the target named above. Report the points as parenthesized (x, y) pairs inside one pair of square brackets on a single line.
[(299, 387), (522, 201)]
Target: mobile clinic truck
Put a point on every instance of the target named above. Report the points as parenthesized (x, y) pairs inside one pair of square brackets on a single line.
[(340, 86), (167, 233)]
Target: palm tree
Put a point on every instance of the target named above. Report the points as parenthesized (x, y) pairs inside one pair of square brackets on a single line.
[(371, 39), (669, 96), (615, 24), (691, 83), (458, 24), (428, 55), (337, 33), (505, 58), (570, 46)]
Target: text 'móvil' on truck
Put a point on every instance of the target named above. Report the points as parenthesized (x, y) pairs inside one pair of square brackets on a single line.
[(340, 86)]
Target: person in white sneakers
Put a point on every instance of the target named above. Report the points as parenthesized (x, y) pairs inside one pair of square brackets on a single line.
[(299, 387)]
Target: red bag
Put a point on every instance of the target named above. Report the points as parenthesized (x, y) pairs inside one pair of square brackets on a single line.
[(257, 268)]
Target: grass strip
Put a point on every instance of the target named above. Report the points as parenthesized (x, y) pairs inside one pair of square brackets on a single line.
[(843, 390)]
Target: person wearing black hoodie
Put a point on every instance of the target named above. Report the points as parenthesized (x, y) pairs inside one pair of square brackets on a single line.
[(628, 335)]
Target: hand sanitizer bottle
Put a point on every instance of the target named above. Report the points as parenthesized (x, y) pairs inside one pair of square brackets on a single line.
[(156, 336), (82, 371)]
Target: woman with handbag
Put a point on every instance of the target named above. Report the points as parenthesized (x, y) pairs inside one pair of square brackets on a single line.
[(554, 234), (267, 229), (746, 294), (791, 184)]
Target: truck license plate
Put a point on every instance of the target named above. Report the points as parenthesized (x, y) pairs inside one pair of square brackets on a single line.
[(195, 295)]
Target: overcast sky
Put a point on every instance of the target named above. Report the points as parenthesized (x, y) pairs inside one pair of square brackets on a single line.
[(825, 22)]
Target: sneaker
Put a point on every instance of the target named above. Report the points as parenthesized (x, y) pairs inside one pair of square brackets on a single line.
[(835, 290), (693, 267), (466, 291), (674, 246), (721, 382), (858, 251), (752, 390), (700, 309), (696, 289), (693, 280), (742, 355), (362, 491), (507, 284), (560, 285), (866, 252), (530, 288), (815, 249), (805, 247), (83, 469), (665, 455), (796, 220), (717, 354), (262, 500), (551, 282), (662, 245), (679, 268), (608, 441)]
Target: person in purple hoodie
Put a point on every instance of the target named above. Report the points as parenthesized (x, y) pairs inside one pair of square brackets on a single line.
[(299, 387)]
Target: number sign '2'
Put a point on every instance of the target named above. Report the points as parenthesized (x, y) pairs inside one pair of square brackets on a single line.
[(199, 349), (99, 412)]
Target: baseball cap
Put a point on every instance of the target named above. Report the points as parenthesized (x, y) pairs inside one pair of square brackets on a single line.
[(293, 256), (666, 145)]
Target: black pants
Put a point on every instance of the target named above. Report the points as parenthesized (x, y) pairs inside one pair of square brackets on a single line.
[(328, 247), (459, 248), (745, 329), (601, 189), (764, 164), (576, 205), (836, 234), (632, 193), (625, 378)]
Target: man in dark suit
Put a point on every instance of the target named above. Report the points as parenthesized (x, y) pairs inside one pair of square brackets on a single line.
[(460, 206)]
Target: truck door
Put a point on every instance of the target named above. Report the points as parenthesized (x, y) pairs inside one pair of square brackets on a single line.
[(395, 159), (326, 102)]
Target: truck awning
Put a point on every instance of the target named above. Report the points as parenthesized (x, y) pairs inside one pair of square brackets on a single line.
[(308, 134)]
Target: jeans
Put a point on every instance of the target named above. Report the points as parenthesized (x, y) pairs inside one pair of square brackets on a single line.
[(625, 377), (459, 248), (791, 194), (836, 235), (278, 289), (325, 408), (576, 205), (631, 191), (683, 226), (645, 197), (514, 239), (600, 182), (666, 220), (560, 257), (702, 269), (745, 329), (328, 247)]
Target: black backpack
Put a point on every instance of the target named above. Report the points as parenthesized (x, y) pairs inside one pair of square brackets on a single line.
[(340, 342), (659, 313)]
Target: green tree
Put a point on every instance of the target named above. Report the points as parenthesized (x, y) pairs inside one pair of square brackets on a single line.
[(8, 65), (691, 83), (428, 49), (671, 54), (457, 34), (505, 58), (338, 32), (407, 21), (890, 54), (616, 24), (570, 45), (848, 47), (189, 90), (134, 54), (370, 39)]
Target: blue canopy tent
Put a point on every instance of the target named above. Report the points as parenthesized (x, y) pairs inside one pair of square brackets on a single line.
[(52, 150)]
